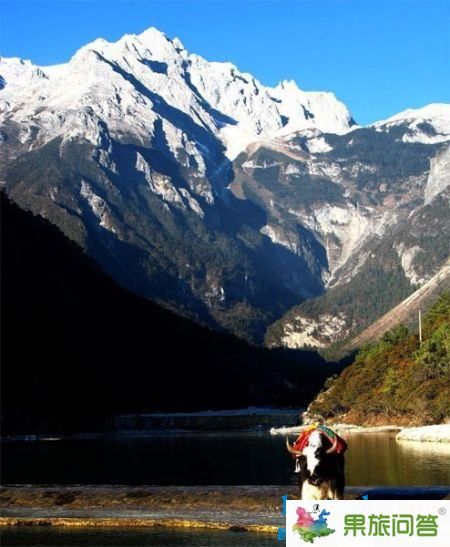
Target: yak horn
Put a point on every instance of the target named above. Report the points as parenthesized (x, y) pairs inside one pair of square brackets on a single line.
[(292, 450), (333, 447)]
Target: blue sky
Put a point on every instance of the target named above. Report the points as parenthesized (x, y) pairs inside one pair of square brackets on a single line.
[(379, 57)]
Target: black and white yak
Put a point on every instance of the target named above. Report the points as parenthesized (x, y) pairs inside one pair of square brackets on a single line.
[(321, 466)]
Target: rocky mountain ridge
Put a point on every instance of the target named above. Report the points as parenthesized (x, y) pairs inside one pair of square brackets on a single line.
[(193, 184)]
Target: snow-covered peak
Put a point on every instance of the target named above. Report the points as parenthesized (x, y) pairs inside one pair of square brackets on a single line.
[(150, 44), (15, 71), (311, 109), (430, 111), (140, 78), (287, 86), (153, 36), (99, 44), (121, 80), (430, 124)]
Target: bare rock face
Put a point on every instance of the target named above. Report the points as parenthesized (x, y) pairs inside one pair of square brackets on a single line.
[(439, 177), (195, 185)]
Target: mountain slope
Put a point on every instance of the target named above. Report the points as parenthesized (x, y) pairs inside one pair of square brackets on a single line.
[(76, 347), (227, 201), (400, 233), (407, 311), (124, 148), (377, 387)]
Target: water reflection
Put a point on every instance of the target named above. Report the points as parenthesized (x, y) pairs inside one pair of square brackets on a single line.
[(373, 459), (378, 459), (151, 537)]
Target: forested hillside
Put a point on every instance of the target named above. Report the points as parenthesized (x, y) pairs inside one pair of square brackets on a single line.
[(397, 379)]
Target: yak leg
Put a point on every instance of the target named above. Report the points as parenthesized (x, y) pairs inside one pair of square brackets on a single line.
[(335, 491), (340, 487)]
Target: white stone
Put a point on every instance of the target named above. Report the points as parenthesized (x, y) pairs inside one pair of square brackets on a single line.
[(429, 433)]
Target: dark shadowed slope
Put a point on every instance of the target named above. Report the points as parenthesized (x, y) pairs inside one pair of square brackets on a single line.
[(77, 347)]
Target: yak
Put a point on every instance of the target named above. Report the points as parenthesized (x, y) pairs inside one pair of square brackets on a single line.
[(320, 464)]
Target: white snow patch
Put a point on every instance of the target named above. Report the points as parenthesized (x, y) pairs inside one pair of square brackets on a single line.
[(437, 115), (318, 146)]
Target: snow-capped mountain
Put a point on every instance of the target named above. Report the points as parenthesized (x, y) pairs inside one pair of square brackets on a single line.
[(427, 125), (196, 185), (117, 82)]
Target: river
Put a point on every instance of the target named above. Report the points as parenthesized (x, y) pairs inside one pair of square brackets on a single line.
[(130, 537), (219, 458), (196, 458)]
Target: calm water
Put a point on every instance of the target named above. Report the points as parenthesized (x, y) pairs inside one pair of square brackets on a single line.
[(155, 537), (373, 459)]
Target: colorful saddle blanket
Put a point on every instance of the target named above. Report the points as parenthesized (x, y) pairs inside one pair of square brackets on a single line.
[(302, 440)]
